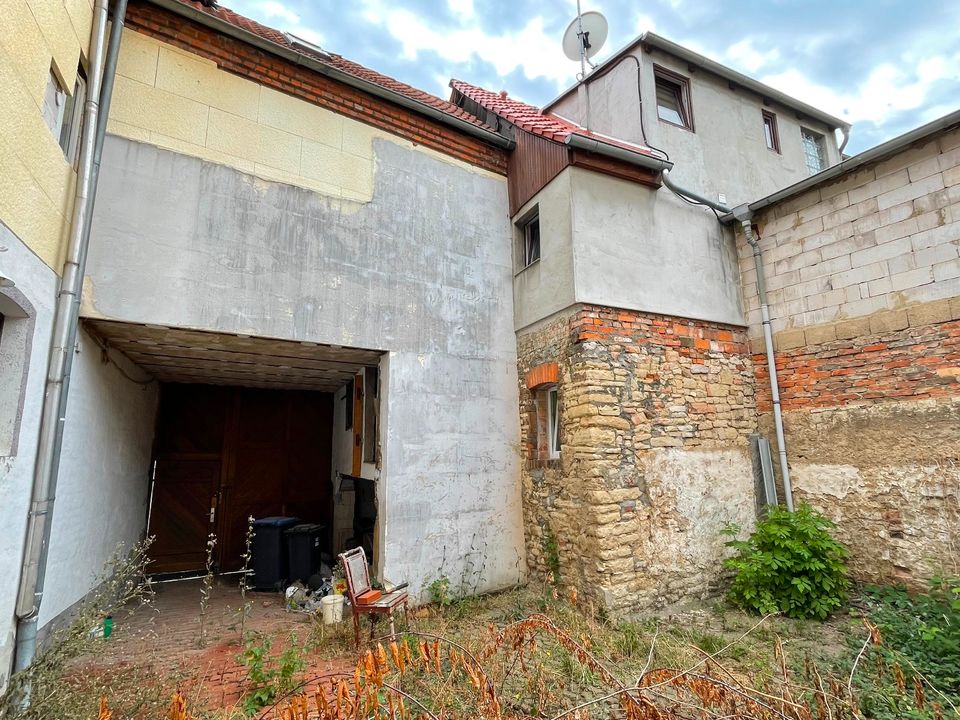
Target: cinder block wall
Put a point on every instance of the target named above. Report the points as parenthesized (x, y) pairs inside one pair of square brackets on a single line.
[(864, 278), (655, 413)]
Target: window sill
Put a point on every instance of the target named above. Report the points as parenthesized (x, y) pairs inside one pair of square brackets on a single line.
[(676, 125), (526, 267)]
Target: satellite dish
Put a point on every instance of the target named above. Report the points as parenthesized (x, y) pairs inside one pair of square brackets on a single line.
[(585, 36)]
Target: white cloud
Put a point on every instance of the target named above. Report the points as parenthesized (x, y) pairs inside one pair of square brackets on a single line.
[(461, 8), (744, 55), (530, 49), (645, 23), (890, 88), (272, 9)]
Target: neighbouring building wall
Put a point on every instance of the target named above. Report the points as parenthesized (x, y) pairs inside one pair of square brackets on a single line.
[(655, 415), (36, 180), (724, 154), (422, 271), (864, 278), (102, 490)]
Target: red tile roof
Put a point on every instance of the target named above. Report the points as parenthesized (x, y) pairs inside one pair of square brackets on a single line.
[(336, 61), (533, 119)]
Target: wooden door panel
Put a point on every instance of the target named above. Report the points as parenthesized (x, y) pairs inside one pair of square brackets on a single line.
[(180, 513)]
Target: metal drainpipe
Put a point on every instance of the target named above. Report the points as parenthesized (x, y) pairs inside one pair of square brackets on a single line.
[(63, 338), (744, 216)]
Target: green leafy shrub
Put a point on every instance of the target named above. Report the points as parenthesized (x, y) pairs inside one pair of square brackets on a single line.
[(790, 564), (925, 628), (268, 678)]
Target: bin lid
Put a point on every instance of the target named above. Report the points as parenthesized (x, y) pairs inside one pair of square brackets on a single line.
[(306, 528), (275, 521)]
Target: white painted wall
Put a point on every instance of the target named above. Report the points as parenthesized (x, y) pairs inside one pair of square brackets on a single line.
[(103, 488), (101, 494)]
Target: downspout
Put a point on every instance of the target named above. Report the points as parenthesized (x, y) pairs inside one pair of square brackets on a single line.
[(62, 342), (744, 215)]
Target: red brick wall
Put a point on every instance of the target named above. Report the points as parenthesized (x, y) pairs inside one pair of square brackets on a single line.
[(259, 66), (910, 363)]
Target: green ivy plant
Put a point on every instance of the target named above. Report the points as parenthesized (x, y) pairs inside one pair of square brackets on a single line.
[(790, 564)]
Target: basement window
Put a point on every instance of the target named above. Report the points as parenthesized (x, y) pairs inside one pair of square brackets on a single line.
[(814, 151), (770, 134), (529, 241), (673, 98)]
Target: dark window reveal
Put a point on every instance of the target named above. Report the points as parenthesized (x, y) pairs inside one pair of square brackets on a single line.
[(770, 134)]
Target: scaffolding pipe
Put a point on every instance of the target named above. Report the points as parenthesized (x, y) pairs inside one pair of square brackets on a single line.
[(62, 342)]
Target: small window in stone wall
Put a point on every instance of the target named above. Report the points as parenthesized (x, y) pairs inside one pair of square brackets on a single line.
[(548, 423)]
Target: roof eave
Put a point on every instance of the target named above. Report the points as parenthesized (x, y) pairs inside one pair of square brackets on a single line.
[(333, 73), (579, 141)]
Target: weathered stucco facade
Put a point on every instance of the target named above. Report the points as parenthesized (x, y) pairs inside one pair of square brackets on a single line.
[(655, 417), (864, 278)]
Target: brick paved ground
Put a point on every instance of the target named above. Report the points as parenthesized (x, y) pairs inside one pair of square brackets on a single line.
[(166, 635)]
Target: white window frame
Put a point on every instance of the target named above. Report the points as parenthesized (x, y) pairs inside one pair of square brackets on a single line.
[(73, 120), (552, 397), (532, 247), (813, 138)]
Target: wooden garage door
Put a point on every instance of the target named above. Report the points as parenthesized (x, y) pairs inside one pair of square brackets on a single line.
[(223, 454)]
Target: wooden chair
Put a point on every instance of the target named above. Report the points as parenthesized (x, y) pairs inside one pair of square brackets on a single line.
[(357, 575)]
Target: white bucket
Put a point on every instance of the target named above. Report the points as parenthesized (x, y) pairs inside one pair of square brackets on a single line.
[(332, 608)]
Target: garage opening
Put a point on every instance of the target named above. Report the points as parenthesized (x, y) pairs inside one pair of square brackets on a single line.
[(254, 427)]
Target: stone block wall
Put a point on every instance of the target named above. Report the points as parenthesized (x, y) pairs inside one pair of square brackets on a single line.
[(864, 274), (655, 414)]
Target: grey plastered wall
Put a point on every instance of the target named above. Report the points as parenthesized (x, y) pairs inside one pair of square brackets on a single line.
[(726, 153), (101, 492), (547, 285), (607, 241), (423, 271)]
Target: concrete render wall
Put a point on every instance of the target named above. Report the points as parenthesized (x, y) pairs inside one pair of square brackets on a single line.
[(864, 274), (101, 496), (423, 271), (611, 242), (640, 249), (725, 153)]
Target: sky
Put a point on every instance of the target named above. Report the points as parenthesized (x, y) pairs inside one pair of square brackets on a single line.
[(885, 66)]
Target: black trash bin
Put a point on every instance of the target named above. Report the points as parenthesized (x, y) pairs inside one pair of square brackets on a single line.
[(269, 561), (305, 546)]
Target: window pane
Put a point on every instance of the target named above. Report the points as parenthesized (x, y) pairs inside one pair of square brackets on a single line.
[(670, 102), (768, 132), (531, 235), (813, 152), (554, 421)]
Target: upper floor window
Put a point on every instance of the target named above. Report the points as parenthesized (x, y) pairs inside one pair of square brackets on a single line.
[(529, 246), (814, 151), (770, 134), (673, 98), (63, 113)]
